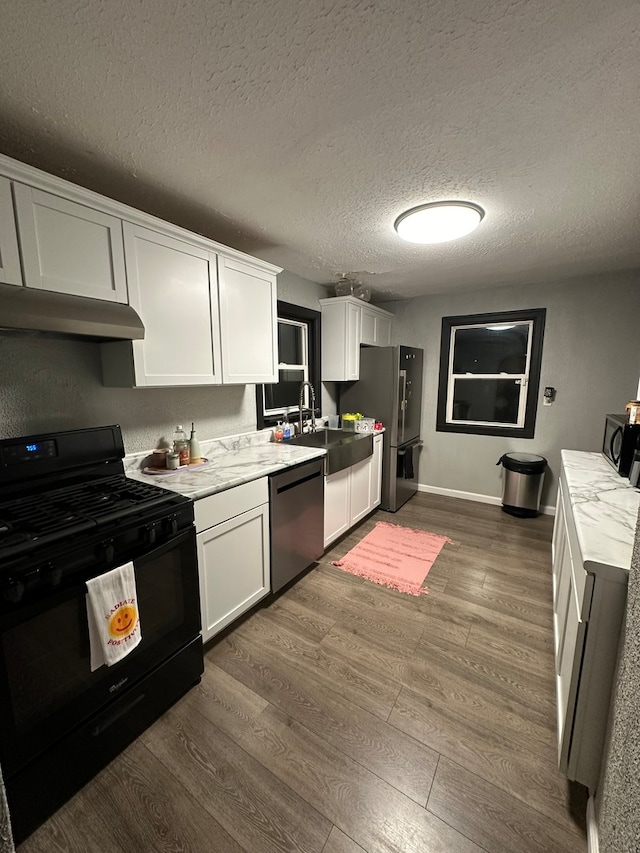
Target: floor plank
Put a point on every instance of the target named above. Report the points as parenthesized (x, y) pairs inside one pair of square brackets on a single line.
[(397, 758), (530, 775), (495, 820), (338, 842), (251, 804)]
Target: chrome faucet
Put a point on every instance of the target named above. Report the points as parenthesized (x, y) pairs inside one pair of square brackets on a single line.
[(313, 405)]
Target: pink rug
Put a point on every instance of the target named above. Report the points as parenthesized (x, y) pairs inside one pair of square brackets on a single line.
[(397, 557)]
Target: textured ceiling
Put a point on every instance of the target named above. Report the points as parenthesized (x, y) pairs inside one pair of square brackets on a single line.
[(297, 130)]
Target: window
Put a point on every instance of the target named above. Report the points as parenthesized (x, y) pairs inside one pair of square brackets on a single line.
[(298, 361), (490, 373)]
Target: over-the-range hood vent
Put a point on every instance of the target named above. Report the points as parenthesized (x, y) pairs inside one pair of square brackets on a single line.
[(29, 309)]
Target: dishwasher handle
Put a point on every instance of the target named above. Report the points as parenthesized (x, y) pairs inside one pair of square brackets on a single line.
[(282, 481), (279, 489)]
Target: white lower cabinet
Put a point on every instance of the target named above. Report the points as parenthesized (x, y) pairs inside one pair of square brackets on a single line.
[(588, 609), (336, 504), (376, 474), (351, 494), (232, 533)]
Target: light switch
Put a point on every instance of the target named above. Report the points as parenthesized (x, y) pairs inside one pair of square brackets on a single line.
[(549, 395)]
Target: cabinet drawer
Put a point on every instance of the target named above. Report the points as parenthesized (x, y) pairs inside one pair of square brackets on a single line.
[(579, 576), (217, 508)]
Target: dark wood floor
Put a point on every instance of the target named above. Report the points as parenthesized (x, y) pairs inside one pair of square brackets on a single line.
[(345, 717)]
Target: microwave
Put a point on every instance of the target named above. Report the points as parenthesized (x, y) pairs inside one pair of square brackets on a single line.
[(619, 443)]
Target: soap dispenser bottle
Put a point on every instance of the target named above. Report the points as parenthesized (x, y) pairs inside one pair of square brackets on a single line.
[(194, 448)]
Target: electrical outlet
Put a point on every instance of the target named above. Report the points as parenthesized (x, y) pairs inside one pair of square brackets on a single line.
[(549, 395)]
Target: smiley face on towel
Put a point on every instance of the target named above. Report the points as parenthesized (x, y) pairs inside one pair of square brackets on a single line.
[(123, 621)]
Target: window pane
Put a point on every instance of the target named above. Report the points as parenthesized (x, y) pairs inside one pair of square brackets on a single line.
[(486, 350), (488, 400), (290, 345), (285, 392)]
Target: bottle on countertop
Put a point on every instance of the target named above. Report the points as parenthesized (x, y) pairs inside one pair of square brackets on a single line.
[(278, 433), (194, 448), (181, 445), (287, 429)]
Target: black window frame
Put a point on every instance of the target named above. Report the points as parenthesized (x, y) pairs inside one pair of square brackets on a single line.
[(289, 311), (535, 315)]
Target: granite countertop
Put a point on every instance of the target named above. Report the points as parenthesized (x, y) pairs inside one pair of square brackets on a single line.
[(605, 509), (232, 461)]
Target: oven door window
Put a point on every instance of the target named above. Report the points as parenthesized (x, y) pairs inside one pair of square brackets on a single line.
[(46, 656)]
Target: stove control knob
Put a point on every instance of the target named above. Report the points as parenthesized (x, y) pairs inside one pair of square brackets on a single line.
[(170, 524), (148, 533), (13, 591), (105, 551), (52, 574)]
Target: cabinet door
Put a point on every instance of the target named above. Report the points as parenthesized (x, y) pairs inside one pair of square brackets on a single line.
[(337, 510), (361, 489), (376, 327), (9, 257), (172, 286), (341, 333), (376, 472), (68, 247), (233, 564), (383, 331), (248, 323)]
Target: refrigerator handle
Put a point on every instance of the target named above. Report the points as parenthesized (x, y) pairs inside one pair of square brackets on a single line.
[(403, 404)]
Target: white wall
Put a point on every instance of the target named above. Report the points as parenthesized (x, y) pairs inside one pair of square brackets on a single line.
[(48, 384), (591, 355)]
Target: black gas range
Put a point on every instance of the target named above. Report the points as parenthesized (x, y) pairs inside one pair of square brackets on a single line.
[(68, 514)]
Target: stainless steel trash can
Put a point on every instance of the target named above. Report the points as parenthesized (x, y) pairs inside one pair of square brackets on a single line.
[(522, 479)]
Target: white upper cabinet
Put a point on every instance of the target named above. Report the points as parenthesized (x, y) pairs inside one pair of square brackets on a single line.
[(376, 327), (341, 325), (10, 272), (347, 323), (209, 311), (208, 318), (248, 322), (172, 286), (68, 247)]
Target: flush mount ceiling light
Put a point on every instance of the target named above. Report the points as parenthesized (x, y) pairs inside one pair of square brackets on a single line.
[(438, 221)]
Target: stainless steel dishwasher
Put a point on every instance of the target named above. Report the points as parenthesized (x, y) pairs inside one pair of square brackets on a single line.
[(296, 513)]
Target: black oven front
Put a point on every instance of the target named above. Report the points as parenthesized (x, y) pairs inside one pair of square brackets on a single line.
[(58, 719)]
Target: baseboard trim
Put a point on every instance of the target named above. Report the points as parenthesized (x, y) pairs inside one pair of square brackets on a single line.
[(473, 496), (593, 845)]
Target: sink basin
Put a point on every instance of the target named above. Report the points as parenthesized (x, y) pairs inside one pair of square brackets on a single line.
[(344, 448)]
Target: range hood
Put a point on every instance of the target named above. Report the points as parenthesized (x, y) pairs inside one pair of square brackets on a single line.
[(30, 309)]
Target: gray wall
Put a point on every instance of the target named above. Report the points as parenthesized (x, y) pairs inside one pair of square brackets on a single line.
[(48, 384), (591, 355)]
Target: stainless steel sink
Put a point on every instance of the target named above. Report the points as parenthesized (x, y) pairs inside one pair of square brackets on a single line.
[(344, 448)]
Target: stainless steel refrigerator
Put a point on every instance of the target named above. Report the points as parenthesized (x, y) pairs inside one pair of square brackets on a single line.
[(390, 390)]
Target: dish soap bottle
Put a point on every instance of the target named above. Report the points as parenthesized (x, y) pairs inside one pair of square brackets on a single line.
[(194, 448), (286, 426), (181, 445)]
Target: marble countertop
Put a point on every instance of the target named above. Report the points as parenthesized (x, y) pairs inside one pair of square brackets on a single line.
[(605, 509), (232, 461)]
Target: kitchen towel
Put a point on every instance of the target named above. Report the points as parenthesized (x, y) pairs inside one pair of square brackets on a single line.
[(112, 614)]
